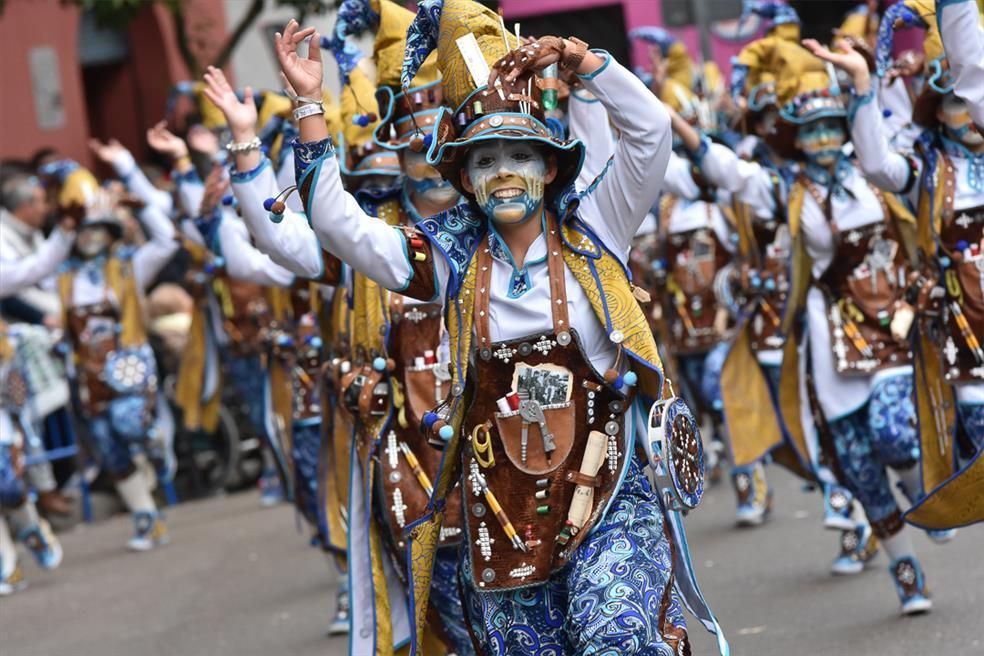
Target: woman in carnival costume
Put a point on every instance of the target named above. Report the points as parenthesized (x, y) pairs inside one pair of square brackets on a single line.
[(101, 290), (529, 549), (17, 510), (853, 248), (943, 177), (759, 180)]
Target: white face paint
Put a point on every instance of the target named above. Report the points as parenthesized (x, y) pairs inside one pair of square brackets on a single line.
[(92, 241), (425, 182), (508, 177), (956, 120)]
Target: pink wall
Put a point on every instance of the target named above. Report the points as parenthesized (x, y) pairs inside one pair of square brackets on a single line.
[(26, 24), (638, 13)]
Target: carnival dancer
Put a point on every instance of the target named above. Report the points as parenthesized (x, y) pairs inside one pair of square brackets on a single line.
[(760, 179), (101, 291), (18, 515), (852, 250), (944, 179), (529, 551)]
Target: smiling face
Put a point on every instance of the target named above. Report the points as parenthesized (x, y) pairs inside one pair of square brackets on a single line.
[(508, 178), (955, 118), (821, 140), (426, 184)]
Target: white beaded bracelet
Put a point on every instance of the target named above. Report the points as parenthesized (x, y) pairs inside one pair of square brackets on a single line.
[(245, 146)]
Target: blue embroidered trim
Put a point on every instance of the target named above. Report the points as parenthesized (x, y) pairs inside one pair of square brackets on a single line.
[(595, 73), (245, 176), (421, 39), (190, 176), (456, 234), (306, 154), (857, 101), (520, 281), (975, 162)]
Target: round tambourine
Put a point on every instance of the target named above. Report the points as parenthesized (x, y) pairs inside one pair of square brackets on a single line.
[(675, 438), (131, 371)]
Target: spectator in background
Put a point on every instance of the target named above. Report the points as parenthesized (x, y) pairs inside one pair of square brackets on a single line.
[(22, 216)]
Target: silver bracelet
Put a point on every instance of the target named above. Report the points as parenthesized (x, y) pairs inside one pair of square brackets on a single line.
[(308, 110), (244, 147)]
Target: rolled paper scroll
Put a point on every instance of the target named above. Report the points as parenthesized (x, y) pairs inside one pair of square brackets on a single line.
[(583, 499)]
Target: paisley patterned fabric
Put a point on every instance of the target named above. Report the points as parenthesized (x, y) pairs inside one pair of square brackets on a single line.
[(12, 487), (607, 600), (354, 17), (421, 39), (111, 449), (882, 433), (305, 450), (886, 34), (446, 601), (972, 419), (456, 233)]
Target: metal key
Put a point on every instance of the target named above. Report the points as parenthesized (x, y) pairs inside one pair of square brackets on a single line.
[(531, 411)]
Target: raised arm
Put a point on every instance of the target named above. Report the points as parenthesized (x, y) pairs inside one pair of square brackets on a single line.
[(589, 123), (113, 153), (243, 261), (159, 248), (291, 242), (16, 274), (879, 162), (617, 205), (963, 41), (189, 184), (366, 243)]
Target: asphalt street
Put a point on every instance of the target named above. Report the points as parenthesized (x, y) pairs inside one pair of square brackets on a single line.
[(240, 580)]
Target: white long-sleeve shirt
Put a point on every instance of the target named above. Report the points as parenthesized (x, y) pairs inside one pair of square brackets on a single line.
[(18, 273), (292, 243), (244, 261), (892, 171), (138, 184), (963, 41), (613, 209)]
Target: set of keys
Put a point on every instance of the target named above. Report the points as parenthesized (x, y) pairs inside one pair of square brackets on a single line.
[(531, 412)]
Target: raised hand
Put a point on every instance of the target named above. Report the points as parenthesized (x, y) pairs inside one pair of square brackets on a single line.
[(241, 116), (304, 74), (107, 152), (907, 64), (532, 56), (216, 184), (850, 61), (165, 142)]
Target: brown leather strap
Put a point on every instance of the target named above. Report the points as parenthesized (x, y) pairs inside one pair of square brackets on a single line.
[(396, 304), (578, 478), (949, 189), (558, 286)]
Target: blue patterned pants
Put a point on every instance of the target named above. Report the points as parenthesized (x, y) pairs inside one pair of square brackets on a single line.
[(972, 418), (882, 433), (111, 449), (246, 376), (13, 491), (305, 449), (606, 601), (446, 601)]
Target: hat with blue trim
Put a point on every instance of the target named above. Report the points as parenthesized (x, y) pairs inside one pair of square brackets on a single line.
[(360, 156), (79, 194), (469, 38), (679, 65)]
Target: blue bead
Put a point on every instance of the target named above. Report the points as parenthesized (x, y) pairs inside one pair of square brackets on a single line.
[(228, 200), (379, 364), (446, 433), (770, 284), (316, 342), (268, 203), (219, 261), (756, 282), (945, 261), (429, 419), (363, 120), (619, 383), (630, 378), (962, 244), (886, 113), (355, 120), (428, 140), (325, 43)]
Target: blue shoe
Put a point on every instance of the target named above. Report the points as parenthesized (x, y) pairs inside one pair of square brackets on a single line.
[(754, 495), (149, 531), (271, 491), (942, 536), (837, 502), (42, 544), (339, 624), (859, 547), (910, 583)]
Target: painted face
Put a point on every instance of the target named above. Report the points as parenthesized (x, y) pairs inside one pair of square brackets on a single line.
[(955, 117), (92, 241), (424, 180), (821, 140), (508, 177)]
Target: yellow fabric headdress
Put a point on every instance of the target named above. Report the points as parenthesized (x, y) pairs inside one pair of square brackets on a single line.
[(358, 122), (391, 45)]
